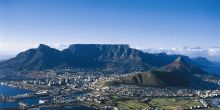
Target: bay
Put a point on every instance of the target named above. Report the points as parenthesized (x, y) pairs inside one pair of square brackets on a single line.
[(10, 91)]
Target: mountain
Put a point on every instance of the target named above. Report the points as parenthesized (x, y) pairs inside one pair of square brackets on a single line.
[(41, 58), (176, 74), (202, 61), (107, 56), (205, 64), (211, 53), (181, 65), (110, 57)]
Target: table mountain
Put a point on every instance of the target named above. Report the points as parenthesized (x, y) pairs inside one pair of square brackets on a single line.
[(111, 57)]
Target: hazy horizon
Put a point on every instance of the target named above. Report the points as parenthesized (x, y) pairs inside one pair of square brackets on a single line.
[(189, 26), (211, 54)]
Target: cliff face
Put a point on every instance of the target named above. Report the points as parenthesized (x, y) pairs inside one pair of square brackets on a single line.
[(118, 57), (103, 52)]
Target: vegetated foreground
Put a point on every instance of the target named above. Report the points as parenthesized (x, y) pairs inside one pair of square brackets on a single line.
[(158, 103)]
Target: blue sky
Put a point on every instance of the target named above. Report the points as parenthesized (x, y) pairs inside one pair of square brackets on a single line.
[(140, 23)]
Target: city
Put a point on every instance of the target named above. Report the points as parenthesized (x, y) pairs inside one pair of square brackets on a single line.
[(109, 54), (66, 88)]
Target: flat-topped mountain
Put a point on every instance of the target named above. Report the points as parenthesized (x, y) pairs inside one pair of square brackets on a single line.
[(111, 57)]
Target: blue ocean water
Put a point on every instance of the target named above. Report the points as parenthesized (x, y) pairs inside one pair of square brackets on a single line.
[(217, 103), (10, 91)]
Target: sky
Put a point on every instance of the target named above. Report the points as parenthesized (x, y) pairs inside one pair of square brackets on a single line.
[(142, 24)]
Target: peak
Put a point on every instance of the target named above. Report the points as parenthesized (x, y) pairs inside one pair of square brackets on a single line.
[(162, 54), (179, 64), (43, 46), (179, 59)]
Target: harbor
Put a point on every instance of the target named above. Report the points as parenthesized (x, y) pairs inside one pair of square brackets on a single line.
[(14, 98)]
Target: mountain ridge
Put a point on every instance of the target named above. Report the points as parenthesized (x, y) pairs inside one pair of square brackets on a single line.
[(113, 57), (176, 74)]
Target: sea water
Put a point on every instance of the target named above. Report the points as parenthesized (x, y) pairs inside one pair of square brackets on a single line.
[(10, 91)]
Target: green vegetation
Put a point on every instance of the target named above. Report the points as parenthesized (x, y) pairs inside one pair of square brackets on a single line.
[(101, 84), (116, 98), (173, 103), (160, 103), (132, 105), (129, 104)]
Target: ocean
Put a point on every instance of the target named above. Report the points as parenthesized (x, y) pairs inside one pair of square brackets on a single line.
[(10, 91)]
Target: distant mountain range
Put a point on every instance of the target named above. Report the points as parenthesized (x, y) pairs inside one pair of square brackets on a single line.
[(176, 74), (109, 57), (212, 53)]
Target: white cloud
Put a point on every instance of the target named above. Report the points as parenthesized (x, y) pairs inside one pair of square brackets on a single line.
[(210, 53), (214, 51), (59, 46)]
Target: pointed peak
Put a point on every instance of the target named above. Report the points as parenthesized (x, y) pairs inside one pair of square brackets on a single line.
[(179, 64), (43, 46), (179, 59)]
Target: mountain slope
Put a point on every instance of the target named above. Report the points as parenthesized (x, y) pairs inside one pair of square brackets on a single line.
[(102, 55), (205, 64), (43, 57), (176, 74), (118, 58), (202, 61)]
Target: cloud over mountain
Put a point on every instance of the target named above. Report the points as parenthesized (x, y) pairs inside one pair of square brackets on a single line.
[(212, 53)]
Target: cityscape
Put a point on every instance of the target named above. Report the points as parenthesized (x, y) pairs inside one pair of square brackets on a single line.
[(109, 55), (108, 88), (67, 88)]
